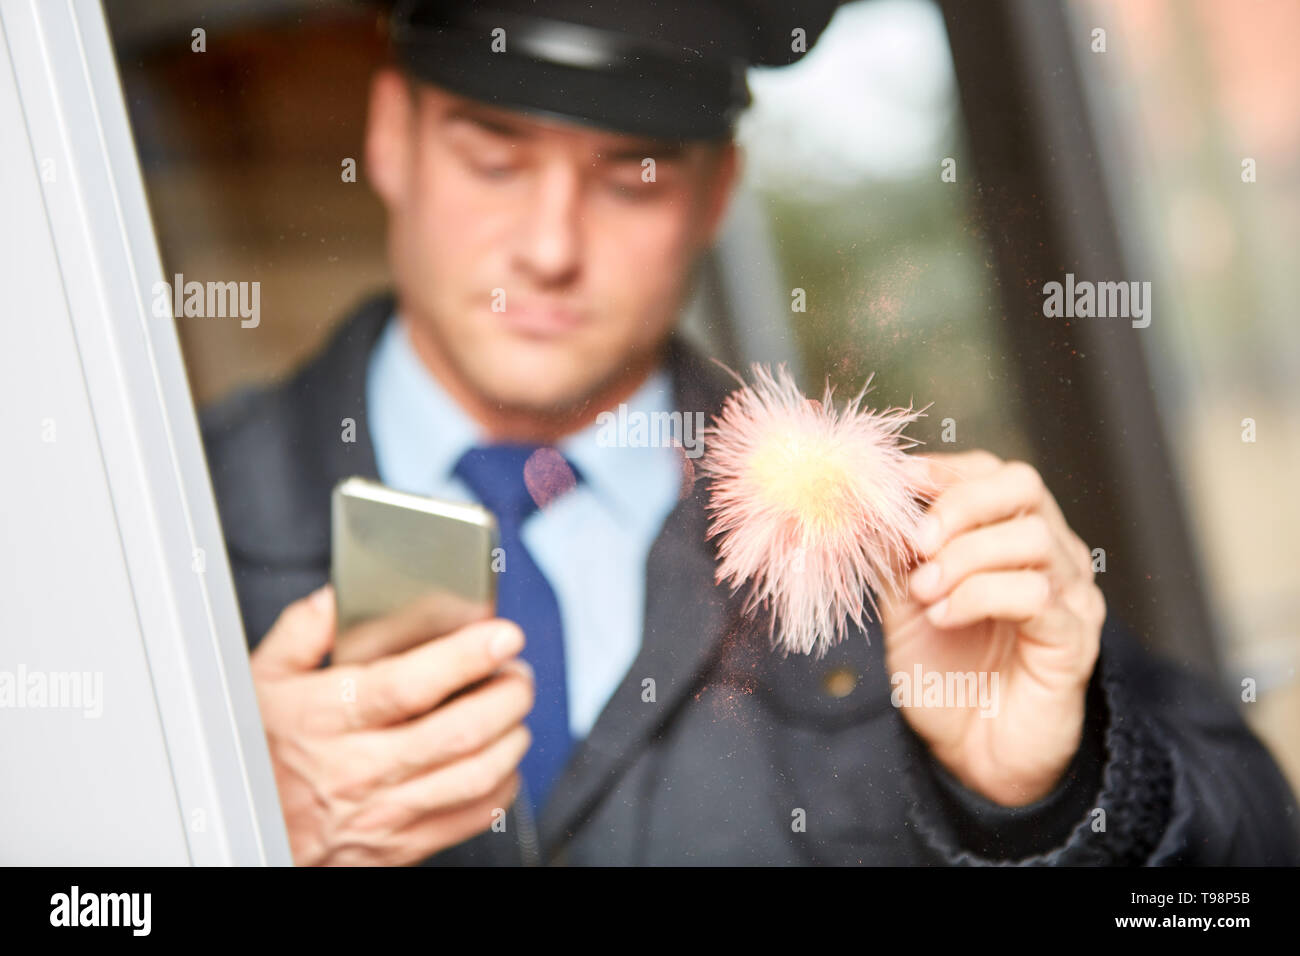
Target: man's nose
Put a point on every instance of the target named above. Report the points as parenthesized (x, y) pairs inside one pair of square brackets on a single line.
[(550, 228)]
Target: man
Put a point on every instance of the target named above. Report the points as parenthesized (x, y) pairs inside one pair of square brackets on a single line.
[(634, 715)]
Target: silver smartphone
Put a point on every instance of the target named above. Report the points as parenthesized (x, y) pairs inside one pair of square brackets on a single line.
[(390, 548)]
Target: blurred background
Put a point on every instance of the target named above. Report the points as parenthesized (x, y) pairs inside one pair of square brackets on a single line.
[(1098, 137)]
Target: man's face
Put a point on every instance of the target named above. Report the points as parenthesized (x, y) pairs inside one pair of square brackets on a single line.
[(535, 260)]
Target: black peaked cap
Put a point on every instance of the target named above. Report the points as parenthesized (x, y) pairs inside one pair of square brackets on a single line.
[(659, 68)]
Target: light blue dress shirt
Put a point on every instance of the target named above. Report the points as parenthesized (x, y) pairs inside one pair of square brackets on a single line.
[(591, 543)]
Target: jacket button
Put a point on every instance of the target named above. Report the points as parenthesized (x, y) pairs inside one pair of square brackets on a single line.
[(839, 682)]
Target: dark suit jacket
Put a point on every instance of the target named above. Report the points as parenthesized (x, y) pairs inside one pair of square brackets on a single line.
[(744, 756)]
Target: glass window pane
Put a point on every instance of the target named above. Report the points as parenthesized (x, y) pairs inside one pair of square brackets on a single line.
[(848, 152), (1201, 110)]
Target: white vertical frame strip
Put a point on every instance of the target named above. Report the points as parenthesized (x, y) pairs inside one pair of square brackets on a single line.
[(144, 415)]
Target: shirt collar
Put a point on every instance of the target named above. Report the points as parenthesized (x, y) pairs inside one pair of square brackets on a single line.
[(640, 483), (419, 433)]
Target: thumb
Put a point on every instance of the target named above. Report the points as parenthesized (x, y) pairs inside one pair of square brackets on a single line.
[(300, 637)]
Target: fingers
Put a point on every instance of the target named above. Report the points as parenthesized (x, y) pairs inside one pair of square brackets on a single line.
[(994, 516), (467, 780), (459, 728), (389, 835), (1008, 490), (990, 490), (429, 616), (406, 685), (1026, 597), (437, 832), (1024, 542), (1020, 542), (299, 639), (939, 470), (353, 784), (1081, 601), (1071, 626), (1004, 595)]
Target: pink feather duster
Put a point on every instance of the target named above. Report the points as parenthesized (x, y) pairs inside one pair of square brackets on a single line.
[(816, 508)]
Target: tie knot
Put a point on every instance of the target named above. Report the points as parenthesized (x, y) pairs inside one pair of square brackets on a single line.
[(515, 480)]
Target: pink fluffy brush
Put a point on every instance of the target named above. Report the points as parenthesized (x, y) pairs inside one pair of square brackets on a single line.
[(815, 508)]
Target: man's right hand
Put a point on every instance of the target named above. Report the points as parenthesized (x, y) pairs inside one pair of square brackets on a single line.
[(374, 763)]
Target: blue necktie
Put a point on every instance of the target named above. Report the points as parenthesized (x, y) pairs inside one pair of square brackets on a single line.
[(496, 474)]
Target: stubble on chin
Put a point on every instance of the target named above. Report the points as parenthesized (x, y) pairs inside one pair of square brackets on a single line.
[(573, 398), (538, 392)]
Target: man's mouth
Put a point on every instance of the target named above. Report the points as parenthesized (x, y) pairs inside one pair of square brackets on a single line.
[(540, 319)]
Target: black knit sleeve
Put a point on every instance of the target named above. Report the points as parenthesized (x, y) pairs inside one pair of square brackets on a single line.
[(1111, 807)]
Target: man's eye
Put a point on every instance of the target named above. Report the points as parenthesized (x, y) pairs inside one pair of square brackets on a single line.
[(493, 170), (623, 189), (490, 164)]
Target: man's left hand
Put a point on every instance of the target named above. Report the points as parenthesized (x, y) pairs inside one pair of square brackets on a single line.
[(1008, 589)]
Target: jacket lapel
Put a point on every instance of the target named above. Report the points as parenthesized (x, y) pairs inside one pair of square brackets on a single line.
[(325, 438), (685, 618)]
